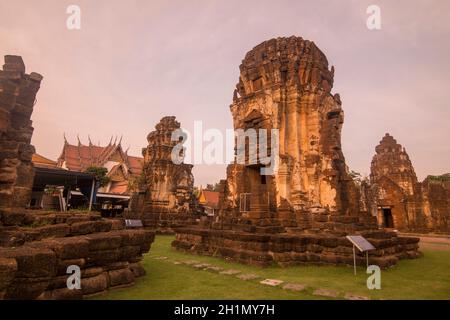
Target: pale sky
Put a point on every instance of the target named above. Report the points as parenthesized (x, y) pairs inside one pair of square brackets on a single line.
[(134, 62)]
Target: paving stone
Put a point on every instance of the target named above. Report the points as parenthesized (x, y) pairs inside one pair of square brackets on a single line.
[(214, 269), (176, 262), (351, 296), (190, 262), (294, 287), (325, 293), (272, 282), (201, 265), (230, 272), (248, 276), (161, 258)]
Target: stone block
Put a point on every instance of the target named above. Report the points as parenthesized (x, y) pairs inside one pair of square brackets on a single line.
[(120, 277), (12, 238), (61, 294), (13, 217), (104, 241), (64, 264), (95, 284), (294, 287), (26, 288), (137, 270), (32, 262), (82, 228), (8, 269)]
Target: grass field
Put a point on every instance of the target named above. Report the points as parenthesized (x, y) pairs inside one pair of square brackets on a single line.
[(424, 278)]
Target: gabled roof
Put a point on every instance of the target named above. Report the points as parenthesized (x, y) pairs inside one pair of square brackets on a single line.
[(119, 187), (135, 164), (43, 162), (80, 157), (209, 198)]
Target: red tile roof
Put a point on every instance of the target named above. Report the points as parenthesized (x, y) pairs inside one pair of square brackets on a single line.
[(43, 162), (211, 198), (79, 157)]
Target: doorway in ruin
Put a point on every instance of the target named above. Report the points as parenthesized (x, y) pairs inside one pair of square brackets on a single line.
[(387, 218)]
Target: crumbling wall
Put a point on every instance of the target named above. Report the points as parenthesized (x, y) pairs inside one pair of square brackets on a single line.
[(166, 200), (37, 248), (17, 98)]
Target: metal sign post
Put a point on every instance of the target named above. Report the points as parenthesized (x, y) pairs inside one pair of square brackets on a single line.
[(363, 246)]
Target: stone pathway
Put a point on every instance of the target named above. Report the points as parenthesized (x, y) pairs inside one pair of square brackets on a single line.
[(230, 272), (294, 287), (190, 262), (325, 293), (271, 282), (329, 293), (351, 296), (214, 269), (201, 266), (248, 276)]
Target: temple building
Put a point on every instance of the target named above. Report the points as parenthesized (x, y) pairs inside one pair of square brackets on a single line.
[(43, 162), (208, 200), (123, 169), (399, 200)]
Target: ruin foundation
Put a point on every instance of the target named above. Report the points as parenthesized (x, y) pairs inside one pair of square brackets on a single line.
[(37, 247), (302, 212)]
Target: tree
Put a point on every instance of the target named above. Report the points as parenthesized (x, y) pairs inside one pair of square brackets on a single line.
[(135, 183), (100, 175), (356, 176), (212, 187)]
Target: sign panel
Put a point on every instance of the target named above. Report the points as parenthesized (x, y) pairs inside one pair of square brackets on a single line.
[(361, 243), (133, 223)]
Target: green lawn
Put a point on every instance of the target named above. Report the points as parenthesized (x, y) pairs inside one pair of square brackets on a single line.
[(424, 278)]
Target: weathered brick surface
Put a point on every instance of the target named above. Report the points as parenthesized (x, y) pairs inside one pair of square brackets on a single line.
[(34, 265), (17, 96)]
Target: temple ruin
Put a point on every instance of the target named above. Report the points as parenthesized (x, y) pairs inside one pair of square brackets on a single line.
[(17, 98), (302, 212), (37, 247), (399, 200), (166, 198)]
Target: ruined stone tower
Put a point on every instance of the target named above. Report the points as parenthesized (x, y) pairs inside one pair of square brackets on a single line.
[(285, 84), (391, 160), (399, 200), (166, 196), (17, 97), (301, 212), (169, 185)]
